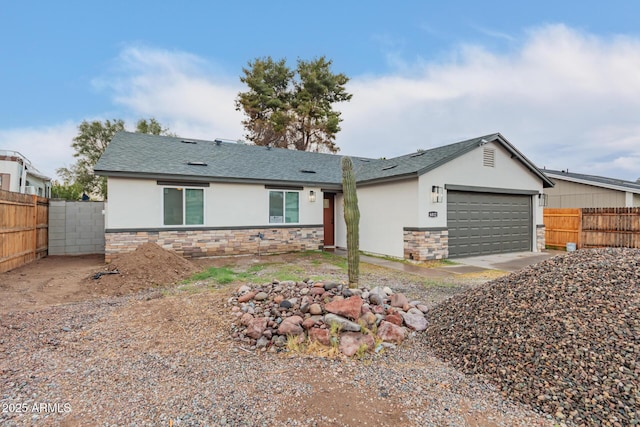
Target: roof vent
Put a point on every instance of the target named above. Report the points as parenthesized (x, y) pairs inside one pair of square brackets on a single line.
[(365, 160), (218, 141), (187, 141), (386, 168), (197, 163), (418, 154), (307, 171), (489, 157)]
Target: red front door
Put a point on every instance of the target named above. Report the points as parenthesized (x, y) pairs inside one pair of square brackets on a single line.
[(328, 200)]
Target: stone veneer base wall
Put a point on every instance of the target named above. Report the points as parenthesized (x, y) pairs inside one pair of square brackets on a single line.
[(541, 238), (423, 244), (219, 242)]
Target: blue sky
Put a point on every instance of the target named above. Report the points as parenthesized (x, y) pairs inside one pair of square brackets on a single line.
[(560, 80)]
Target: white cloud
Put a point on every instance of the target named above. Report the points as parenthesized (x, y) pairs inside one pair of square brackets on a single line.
[(566, 99), (181, 90), (48, 148)]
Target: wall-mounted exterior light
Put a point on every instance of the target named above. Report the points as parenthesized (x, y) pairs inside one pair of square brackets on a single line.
[(542, 199), (437, 194), (312, 196)]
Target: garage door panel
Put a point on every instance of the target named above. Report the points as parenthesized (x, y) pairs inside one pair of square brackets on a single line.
[(484, 223)]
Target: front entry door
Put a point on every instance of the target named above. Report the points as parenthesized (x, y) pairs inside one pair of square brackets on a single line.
[(328, 200)]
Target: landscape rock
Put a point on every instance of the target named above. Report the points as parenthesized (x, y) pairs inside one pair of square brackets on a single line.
[(345, 324), (315, 309), (320, 335), (256, 327), (391, 333), (562, 336), (415, 319), (351, 342), (291, 326), (350, 307), (398, 300)]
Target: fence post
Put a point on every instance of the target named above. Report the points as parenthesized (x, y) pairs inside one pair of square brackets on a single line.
[(579, 239), (35, 226)]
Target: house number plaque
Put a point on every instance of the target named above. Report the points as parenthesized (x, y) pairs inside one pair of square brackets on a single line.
[(433, 214)]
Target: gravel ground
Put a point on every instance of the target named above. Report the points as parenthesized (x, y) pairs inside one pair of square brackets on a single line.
[(562, 335), (166, 358)]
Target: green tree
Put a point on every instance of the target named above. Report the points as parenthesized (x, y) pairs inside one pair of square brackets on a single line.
[(91, 141), (292, 108), (66, 191), (152, 127)]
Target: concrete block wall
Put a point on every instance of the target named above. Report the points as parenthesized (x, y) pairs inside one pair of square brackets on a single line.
[(76, 228)]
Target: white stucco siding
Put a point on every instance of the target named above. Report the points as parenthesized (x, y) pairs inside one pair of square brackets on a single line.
[(14, 170), (468, 170), (385, 210), (138, 203)]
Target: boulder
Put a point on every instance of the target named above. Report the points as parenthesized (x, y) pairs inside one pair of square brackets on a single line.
[(320, 335), (256, 327), (350, 342), (345, 324), (291, 326), (391, 333), (350, 307)]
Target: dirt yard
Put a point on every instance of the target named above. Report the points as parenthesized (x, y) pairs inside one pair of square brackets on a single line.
[(133, 349)]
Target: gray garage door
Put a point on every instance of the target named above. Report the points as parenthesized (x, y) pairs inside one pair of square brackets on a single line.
[(488, 223)]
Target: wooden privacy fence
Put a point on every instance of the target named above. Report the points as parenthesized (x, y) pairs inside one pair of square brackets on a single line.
[(593, 227), (24, 222)]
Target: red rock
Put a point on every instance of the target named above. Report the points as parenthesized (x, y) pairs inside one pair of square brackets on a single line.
[(318, 285), (246, 319), (350, 342), (278, 299), (316, 291), (394, 318), (309, 323), (350, 307), (391, 333), (256, 327), (320, 335), (398, 300), (291, 326), (369, 318), (247, 297), (378, 309)]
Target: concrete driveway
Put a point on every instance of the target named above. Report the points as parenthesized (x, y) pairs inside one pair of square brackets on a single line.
[(506, 262)]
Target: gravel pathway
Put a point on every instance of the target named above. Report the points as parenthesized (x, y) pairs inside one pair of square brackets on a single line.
[(166, 358)]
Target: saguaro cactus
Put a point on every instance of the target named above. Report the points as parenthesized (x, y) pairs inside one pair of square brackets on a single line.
[(352, 219)]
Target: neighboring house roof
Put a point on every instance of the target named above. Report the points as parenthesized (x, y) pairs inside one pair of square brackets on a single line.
[(152, 156), (17, 157), (598, 181)]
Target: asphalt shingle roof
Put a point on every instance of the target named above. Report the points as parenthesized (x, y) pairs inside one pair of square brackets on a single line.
[(151, 156), (594, 179)]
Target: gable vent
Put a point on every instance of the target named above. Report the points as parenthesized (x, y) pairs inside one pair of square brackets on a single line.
[(389, 167), (197, 164), (489, 157)]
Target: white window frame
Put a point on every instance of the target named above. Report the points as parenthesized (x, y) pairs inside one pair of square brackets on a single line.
[(184, 206), (284, 205)]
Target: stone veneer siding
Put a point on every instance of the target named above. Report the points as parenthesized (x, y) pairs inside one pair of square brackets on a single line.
[(541, 238), (423, 244), (193, 243)]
